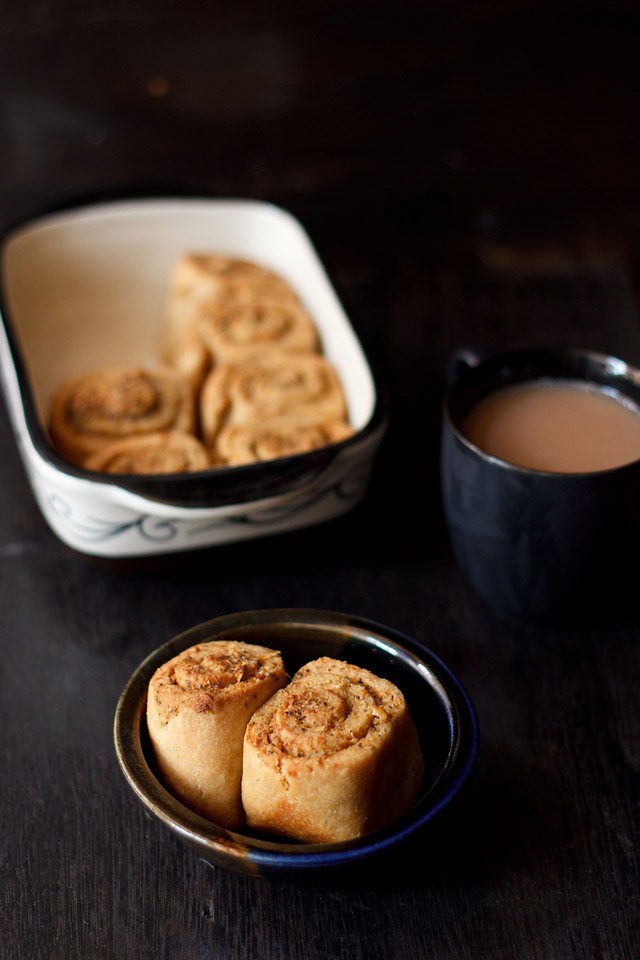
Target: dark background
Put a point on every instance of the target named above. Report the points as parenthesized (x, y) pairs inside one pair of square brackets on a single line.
[(469, 173)]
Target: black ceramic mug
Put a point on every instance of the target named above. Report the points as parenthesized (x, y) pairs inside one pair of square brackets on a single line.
[(537, 546)]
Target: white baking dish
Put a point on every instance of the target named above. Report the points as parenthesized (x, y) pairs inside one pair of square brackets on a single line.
[(86, 289)]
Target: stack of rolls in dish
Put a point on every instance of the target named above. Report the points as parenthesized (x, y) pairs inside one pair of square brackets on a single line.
[(242, 378), (241, 335), (330, 755)]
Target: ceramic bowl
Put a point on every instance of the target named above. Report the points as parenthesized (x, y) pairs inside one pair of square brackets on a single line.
[(86, 289), (442, 711)]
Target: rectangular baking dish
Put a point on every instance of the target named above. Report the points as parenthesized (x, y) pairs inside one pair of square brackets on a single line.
[(86, 289)]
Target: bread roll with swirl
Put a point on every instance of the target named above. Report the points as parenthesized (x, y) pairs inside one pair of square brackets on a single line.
[(93, 410), (198, 707), (282, 437), (164, 452), (210, 279), (238, 332), (331, 757), (303, 386), (202, 283)]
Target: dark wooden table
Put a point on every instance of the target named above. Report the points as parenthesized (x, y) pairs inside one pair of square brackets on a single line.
[(469, 172)]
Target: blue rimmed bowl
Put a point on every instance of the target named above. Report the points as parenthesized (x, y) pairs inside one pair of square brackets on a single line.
[(442, 710)]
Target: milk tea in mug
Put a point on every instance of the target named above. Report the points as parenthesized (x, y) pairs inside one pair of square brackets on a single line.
[(560, 426), (540, 476)]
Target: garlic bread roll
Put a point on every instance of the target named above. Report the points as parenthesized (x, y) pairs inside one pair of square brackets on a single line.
[(304, 386), (202, 282), (199, 278), (92, 410), (331, 757), (198, 707), (237, 332), (213, 278), (282, 437), (150, 453)]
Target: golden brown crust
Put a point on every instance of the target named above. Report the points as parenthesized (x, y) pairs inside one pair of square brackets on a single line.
[(331, 757), (244, 375), (150, 453), (89, 411), (281, 437), (183, 350), (236, 333), (198, 706), (303, 386), (213, 278), (206, 283), (198, 277)]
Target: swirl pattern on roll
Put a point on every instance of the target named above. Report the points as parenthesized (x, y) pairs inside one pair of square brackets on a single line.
[(240, 332), (198, 707), (303, 386), (242, 372), (206, 283), (283, 437), (332, 756), (92, 410), (214, 278), (150, 453)]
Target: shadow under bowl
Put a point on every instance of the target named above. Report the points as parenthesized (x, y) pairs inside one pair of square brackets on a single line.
[(442, 711)]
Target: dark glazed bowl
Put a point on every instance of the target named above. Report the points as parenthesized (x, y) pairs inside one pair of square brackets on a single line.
[(443, 713)]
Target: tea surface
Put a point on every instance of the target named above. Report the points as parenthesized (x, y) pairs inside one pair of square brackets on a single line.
[(559, 426)]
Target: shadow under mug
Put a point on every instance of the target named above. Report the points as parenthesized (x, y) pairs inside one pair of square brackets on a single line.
[(540, 547)]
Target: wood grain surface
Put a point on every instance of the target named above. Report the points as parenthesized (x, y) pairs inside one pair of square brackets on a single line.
[(469, 173)]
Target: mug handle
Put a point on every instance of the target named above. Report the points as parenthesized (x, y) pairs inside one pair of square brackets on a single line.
[(463, 359)]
